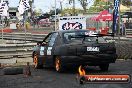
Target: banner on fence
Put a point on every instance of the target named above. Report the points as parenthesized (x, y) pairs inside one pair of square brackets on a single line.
[(72, 22)]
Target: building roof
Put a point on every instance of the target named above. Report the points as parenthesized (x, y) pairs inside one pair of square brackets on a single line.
[(124, 8), (14, 9)]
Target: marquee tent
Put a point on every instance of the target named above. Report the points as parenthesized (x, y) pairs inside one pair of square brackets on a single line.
[(103, 16)]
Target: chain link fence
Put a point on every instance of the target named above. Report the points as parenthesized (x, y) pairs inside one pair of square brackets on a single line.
[(124, 50)]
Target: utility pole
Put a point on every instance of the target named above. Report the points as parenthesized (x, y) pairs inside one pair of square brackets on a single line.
[(6, 20), (30, 2), (0, 15), (61, 5), (119, 31), (55, 15), (74, 7)]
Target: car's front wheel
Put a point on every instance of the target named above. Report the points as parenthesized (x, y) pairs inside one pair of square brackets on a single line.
[(58, 64), (37, 64), (104, 67)]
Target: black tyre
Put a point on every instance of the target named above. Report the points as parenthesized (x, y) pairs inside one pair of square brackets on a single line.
[(82, 80), (104, 67), (12, 70), (37, 63), (58, 64)]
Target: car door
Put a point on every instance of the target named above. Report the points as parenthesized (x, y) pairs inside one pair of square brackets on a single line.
[(42, 47), (49, 49)]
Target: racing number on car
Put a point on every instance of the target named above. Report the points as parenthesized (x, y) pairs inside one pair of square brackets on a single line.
[(92, 49), (49, 50), (91, 33), (42, 50)]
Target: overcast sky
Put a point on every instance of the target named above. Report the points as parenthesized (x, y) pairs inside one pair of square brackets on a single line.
[(45, 5)]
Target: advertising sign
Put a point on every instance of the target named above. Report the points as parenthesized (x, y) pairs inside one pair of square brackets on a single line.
[(72, 22), (13, 26), (115, 14)]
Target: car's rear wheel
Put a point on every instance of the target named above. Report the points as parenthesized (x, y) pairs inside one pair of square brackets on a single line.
[(58, 64), (37, 64), (104, 67)]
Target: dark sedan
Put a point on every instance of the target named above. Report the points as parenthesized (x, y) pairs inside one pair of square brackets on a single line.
[(74, 47)]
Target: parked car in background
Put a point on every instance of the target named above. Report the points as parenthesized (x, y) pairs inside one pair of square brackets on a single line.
[(53, 17), (44, 23), (73, 48)]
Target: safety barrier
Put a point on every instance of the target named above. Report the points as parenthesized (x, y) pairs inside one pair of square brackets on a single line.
[(16, 47), (129, 32), (23, 36), (16, 50)]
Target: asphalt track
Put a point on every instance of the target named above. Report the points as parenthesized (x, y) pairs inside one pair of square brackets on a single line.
[(48, 78)]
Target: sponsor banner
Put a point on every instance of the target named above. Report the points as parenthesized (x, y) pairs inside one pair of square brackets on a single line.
[(42, 50), (3, 9), (49, 50), (106, 78), (23, 6), (72, 22), (115, 14)]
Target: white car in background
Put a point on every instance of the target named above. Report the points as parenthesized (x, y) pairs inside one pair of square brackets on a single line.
[(44, 23)]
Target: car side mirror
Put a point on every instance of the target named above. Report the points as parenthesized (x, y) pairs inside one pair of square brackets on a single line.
[(44, 43), (39, 43)]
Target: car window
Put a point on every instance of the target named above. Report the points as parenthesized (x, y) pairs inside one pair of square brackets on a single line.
[(52, 39), (76, 36), (48, 38), (94, 39)]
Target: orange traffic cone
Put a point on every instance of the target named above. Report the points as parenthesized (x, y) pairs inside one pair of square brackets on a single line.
[(27, 71)]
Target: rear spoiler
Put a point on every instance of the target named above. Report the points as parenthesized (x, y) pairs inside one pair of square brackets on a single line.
[(101, 35), (93, 35)]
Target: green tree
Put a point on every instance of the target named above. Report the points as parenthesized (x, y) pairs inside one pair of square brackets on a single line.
[(38, 12), (96, 2), (84, 4), (52, 11), (99, 3), (68, 11), (70, 2)]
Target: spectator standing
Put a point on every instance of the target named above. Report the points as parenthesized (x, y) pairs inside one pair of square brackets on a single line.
[(130, 24), (123, 28), (127, 24)]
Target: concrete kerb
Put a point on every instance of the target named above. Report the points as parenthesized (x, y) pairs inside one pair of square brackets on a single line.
[(15, 64), (16, 60)]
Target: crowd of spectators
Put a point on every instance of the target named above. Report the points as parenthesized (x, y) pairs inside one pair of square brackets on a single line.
[(128, 24)]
